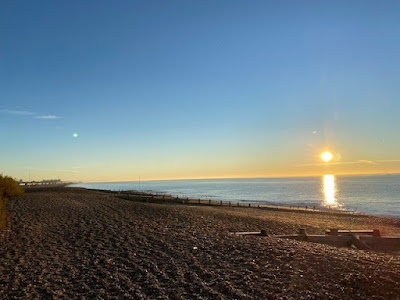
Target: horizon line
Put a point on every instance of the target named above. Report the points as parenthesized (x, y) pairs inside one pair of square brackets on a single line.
[(239, 177)]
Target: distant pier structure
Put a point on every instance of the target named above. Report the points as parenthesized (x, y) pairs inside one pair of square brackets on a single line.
[(43, 182)]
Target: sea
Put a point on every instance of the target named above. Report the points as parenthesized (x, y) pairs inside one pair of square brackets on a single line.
[(370, 194)]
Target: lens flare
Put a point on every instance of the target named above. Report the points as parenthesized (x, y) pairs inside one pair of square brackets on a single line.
[(75, 135)]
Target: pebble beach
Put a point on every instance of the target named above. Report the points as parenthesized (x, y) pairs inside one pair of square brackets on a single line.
[(72, 243)]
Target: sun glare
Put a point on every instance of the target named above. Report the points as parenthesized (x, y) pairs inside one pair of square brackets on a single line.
[(329, 190), (326, 156)]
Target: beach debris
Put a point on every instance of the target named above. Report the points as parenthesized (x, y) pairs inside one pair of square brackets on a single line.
[(360, 239)]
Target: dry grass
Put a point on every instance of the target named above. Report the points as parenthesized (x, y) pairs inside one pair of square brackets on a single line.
[(8, 188)]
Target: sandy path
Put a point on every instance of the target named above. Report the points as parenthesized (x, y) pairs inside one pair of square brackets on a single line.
[(76, 244)]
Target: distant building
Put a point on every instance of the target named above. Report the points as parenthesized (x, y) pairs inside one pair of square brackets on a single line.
[(51, 181), (43, 182)]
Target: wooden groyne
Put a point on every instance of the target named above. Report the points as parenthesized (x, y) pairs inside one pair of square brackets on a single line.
[(150, 197), (360, 239)]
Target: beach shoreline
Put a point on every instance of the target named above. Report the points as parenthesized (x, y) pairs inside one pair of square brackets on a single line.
[(157, 197), (65, 243), (376, 195)]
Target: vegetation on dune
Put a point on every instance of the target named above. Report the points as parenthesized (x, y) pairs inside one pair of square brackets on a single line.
[(8, 188)]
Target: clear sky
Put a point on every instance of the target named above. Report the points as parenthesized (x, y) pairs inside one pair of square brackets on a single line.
[(193, 89)]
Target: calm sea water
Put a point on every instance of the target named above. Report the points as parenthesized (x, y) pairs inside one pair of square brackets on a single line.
[(372, 194)]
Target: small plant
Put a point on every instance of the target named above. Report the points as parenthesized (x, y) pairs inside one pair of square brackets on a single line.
[(8, 188)]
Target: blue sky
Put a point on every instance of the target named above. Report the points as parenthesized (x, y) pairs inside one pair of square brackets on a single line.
[(188, 89)]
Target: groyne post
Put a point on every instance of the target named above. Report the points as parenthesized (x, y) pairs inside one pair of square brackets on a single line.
[(302, 231), (334, 231)]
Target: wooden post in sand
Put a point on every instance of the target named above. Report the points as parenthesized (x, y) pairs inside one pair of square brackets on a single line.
[(221, 202), (302, 233), (334, 231), (376, 232), (209, 201)]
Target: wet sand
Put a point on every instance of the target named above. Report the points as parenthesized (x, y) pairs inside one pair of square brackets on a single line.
[(70, 243)]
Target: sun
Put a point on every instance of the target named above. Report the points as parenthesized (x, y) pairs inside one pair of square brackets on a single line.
[(326, 156)]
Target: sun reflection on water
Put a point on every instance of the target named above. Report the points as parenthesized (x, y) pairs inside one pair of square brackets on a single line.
[(329, 190)]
